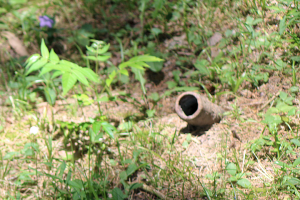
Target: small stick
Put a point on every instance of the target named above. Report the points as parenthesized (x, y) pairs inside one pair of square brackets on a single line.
[(272, 99), (154, 191)]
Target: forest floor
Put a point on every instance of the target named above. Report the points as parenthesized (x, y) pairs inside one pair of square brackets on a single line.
[(251, 153)]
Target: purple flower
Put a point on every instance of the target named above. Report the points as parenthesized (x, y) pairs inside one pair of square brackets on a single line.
[(46, 21)]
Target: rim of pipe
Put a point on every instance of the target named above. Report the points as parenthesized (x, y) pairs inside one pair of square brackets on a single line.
[(178, 105)]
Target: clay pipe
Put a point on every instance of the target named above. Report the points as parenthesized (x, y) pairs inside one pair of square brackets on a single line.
[(197, 110)]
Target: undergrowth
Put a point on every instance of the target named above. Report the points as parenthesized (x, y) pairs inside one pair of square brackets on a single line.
[(88, 87)]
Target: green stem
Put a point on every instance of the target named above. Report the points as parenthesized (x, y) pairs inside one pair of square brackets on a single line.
[(185, 24)]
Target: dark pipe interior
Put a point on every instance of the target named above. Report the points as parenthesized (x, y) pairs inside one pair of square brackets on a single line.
[(188, 104)]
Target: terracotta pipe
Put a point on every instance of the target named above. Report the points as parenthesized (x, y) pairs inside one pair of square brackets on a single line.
[(197, 110)]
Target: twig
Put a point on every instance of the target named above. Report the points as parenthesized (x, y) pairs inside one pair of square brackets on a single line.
[(252, 103), (154, 191), (272, 99)]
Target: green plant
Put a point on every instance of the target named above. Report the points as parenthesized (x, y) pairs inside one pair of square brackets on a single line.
[(97, 52), (257, 76), (70, 73), (273, 118), (117, 193), (68, 187), (154, 98), (287, 174), (4, 167), (137, 65), (214, 192), (83, 35), (236, 177)]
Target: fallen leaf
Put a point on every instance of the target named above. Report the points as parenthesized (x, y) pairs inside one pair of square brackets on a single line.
[(215, 39), (16, 43)]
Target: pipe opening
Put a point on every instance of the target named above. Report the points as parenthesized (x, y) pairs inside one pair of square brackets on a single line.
[(188, 104)]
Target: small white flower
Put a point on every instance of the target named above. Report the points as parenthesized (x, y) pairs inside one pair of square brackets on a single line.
[(34, 130)]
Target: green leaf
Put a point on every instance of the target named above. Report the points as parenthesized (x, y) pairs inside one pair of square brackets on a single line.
[(68, 81), (96, 127), (103, 49), (49, 67), (176, 74), (53, 57), (80, 77), (293, 181), (232, 179), (277, 9), (272, 119), (50, 95), (295, 58), (296, 142), (135, 186), (145, 58), (143, 64), (110, 78), (117, 194), (154, 96), (10, 155), (179, 89), (131, 169), (63, 191), (156, 66), (282, 25), (123, 65), (32, 59), (89, 74), (124, 71), (136, 66), (239, 82), (139, 61), (296, 162), (202, 66), (171, 84), (61, 169), (97, 48), (98, 58), (156, 31), (109, 129), (31, 80), (16, 2), (4, 26), (36, 66), (123, 175), (283, 95), (139, 76), (53, 177), (125, 126), (294, 89), (245, 183), (59, 67), (75, 184), (83, 99), (56, 74), (150, 113), (66, 63), (113, 162), (231, 169), (44, 50)]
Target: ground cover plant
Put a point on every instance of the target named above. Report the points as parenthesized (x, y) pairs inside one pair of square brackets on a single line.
[(88, 88)]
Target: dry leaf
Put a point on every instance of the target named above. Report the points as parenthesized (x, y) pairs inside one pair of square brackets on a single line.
[(217, 37), (16, 43)]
